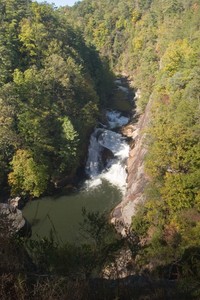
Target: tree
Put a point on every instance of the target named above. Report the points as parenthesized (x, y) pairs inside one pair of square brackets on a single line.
[(28, 176)]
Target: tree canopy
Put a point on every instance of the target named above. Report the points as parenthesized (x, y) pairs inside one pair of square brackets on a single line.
[(54, 79), (157, 43), (51, 91)]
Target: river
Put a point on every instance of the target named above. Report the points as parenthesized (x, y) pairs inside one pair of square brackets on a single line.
[(63, 214), (106, 170)]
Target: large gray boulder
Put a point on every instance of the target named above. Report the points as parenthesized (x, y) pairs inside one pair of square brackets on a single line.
[(11, 219)]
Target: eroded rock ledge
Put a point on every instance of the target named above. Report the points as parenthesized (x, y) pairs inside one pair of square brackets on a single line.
[(137, 179)]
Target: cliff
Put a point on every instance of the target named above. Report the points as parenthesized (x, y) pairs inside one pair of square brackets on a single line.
[(136, 179)]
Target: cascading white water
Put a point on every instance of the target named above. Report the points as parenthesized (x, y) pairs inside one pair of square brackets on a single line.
[(115, 119), (114, 169), (106, 164), (94, 154), (114, 142)]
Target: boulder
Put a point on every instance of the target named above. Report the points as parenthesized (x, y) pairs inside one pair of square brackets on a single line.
[(12, 220)]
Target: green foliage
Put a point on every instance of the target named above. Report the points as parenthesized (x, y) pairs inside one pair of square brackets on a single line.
[(97, 248), (27, 177), (157, 44), (53, 84), (178, 55), (52, 87), (96, 229)]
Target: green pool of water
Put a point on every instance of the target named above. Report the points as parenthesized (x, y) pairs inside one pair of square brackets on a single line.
[(63, 214)]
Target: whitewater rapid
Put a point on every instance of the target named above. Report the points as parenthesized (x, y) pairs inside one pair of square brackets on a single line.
[(106, 171), (112, 169)]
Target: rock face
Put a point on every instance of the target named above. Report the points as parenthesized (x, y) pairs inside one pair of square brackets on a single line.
[(122, 267), (137, 179), (12, 220)]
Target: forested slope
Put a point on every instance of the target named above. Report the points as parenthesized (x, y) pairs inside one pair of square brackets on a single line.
[(157, 43), (52, 86)]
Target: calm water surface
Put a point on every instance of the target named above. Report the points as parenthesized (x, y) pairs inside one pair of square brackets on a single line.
[(63, 214)]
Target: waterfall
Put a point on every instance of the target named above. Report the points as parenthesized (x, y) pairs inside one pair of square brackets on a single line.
[(94, 155), (106, 166), (115, 119), (113, 169)]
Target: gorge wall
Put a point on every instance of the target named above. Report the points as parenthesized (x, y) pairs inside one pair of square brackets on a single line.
[(136, 179)]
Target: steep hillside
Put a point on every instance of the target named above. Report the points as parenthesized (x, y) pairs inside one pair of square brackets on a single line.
[(54, 78), (51, 89), (157, 44)]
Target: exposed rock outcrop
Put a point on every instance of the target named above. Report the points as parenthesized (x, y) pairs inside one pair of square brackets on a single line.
[(12, 221), (137, 179)]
